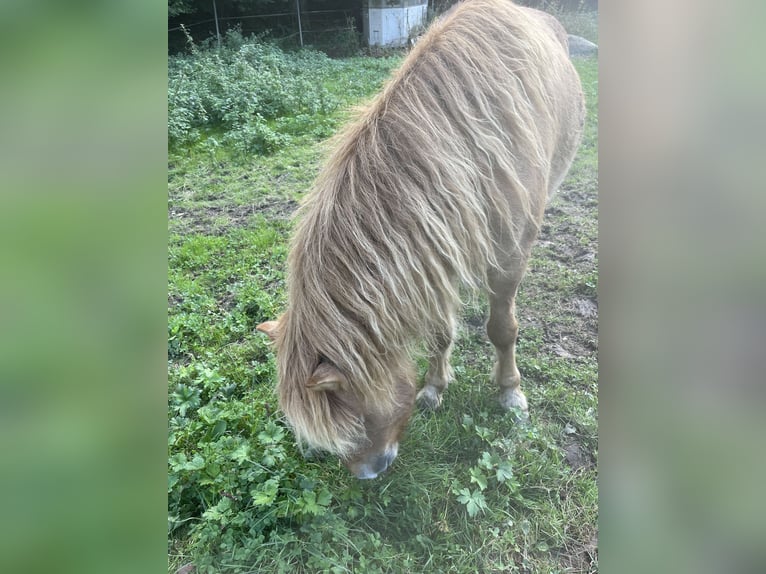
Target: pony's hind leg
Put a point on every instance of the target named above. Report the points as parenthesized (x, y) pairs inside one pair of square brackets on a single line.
[(503, 329), (439, 371)]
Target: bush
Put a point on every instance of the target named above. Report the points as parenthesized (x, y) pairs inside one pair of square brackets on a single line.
[(244, 89)]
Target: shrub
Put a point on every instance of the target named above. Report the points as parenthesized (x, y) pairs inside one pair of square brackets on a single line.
[(243, 89)]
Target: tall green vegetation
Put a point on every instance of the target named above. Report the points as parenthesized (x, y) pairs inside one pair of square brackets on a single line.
[(251, 97)]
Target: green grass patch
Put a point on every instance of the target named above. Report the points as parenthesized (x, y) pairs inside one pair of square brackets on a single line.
[(472, 490)]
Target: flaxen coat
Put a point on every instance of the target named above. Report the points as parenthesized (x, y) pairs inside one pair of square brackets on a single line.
[(441, 182)]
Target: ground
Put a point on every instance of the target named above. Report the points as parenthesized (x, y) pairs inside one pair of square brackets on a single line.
[(471, 491)]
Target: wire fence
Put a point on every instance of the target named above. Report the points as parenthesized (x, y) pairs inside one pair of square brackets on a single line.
[(325, 29), (316, 26), (261, 16)]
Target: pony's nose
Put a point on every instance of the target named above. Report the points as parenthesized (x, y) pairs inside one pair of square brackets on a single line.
[(378, 465)]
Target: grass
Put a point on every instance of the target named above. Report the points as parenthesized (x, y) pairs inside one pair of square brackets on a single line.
[(471, 491)]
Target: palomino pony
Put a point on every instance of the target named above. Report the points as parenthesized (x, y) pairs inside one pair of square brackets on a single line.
[(441, 182)]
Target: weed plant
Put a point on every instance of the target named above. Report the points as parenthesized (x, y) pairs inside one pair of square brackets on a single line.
[(250, 97)]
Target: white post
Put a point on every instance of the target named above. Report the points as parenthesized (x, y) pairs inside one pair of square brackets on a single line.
[(217, 30), (300, 29)]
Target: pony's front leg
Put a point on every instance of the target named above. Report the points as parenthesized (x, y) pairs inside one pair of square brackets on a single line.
[(439, 371)]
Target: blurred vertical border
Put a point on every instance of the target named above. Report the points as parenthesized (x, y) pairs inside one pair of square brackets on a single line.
[(83, 123), (682, 286)]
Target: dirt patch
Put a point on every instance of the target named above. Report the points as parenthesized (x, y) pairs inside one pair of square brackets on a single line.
[(209, 219), (215, 219), (581, 556), (560, 351), (571, 338), (586, 308), (577, 457), (278, 208), (569, 236)]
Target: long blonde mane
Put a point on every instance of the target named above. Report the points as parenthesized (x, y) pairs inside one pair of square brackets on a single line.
[(427, 190)]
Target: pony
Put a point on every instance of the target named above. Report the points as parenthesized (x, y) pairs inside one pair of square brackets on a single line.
[(440, 182)]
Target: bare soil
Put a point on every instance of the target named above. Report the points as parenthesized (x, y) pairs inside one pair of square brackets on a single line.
[(218, 219)]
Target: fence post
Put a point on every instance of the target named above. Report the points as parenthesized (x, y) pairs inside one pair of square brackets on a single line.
[(217, 30), (300, 29)]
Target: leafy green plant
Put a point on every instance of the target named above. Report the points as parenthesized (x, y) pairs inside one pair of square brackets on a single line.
[(254, 93), (493, 468), (252, 98), (185, 398), (473, 499)]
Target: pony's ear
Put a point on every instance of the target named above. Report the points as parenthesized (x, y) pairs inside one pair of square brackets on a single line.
[(326, 378), (271, 328)]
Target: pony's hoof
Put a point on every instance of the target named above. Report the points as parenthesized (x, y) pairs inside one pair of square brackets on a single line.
[(514, 399), (429, 398)]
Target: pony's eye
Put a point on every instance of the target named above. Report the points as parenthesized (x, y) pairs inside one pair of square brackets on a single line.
[(324, 360)]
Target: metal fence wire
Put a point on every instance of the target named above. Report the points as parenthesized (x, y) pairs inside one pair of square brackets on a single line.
[(306, 24)]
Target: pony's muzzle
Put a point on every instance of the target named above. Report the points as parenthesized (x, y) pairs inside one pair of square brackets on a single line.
[(378, 464)]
